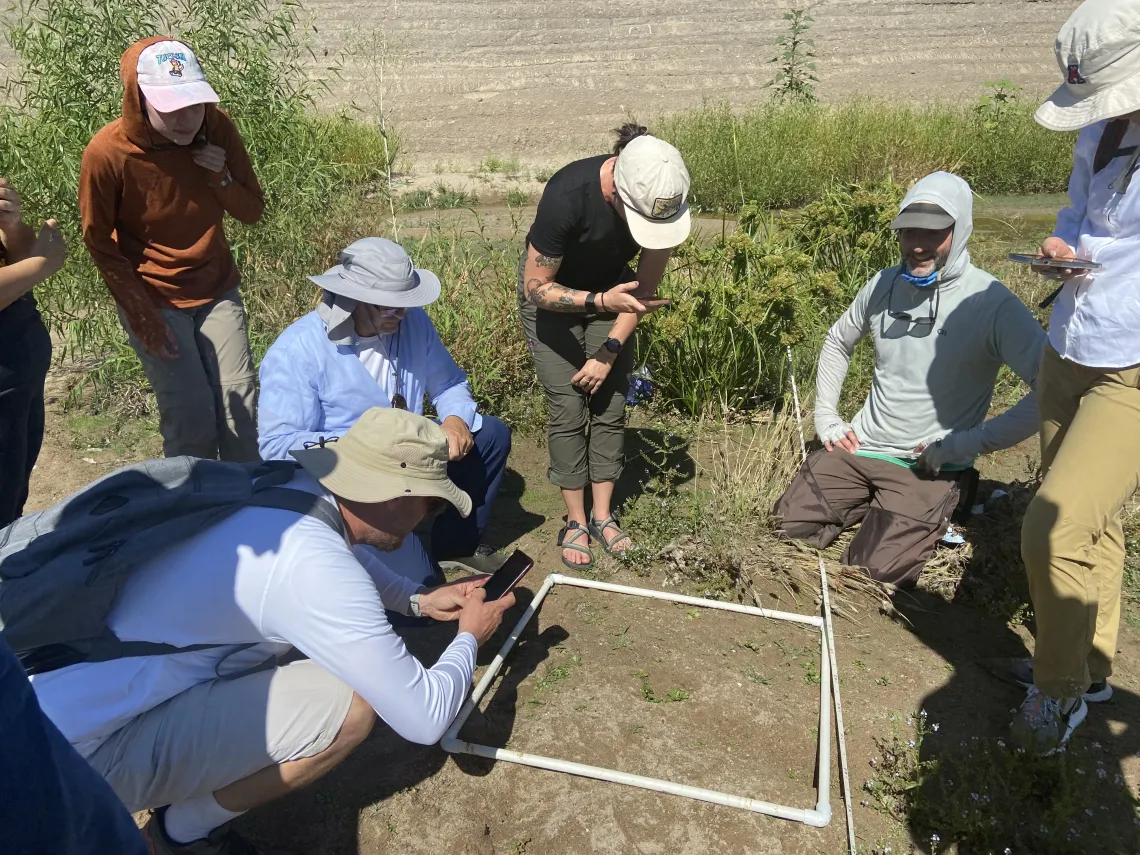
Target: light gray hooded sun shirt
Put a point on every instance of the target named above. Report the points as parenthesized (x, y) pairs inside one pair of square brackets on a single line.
[(934, 381)]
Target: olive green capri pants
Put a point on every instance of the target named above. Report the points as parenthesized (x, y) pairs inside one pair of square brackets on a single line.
[(586, 437)]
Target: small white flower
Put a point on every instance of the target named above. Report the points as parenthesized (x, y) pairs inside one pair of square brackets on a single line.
[(934, 838), (909, 721), (1001, 743), (1008, 851), (910, 743), (934, 727), (922, 713)]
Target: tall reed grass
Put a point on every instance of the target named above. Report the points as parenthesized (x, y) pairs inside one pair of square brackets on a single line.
[(783, 154)]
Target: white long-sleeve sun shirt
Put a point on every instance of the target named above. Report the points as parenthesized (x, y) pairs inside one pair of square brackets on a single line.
[(1096, 318)]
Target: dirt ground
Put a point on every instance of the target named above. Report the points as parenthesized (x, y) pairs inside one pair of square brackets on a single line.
[(592, 680), (545, 81)]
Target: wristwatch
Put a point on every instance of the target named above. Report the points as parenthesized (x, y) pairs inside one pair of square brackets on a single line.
[(414, 604), (613, 345), (591, 302)]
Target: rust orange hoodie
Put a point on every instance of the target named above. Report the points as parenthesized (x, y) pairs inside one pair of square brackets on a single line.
[(152, 218)]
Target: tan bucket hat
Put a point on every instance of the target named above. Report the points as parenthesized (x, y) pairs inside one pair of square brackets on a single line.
[(388, 453), (1098, 51)]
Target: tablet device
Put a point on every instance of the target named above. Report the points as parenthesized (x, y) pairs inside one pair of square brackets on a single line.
[(1063, 263)]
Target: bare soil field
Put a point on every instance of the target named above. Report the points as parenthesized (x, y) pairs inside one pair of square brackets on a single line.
[(544, 81)]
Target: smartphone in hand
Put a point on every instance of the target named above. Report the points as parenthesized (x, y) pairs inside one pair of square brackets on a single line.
[(506, 577)]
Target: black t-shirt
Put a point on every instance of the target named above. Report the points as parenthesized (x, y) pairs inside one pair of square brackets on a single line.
[(575, 223)]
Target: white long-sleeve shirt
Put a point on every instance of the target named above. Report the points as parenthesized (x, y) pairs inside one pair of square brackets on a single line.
[(1096, 318), (274, 579)]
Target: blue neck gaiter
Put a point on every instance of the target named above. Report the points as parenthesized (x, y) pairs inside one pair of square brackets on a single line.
[(920, 281)]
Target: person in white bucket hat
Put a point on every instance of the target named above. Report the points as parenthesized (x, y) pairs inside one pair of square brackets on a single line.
[(371, 344), (1088, 389), (155, 186), (580, 301)]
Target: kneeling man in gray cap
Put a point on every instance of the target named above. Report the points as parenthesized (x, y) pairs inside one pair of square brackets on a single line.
[(942, 329)]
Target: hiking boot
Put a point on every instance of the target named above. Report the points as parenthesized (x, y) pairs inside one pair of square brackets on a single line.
[(1044, 724), (220, 841), (1021, 672)]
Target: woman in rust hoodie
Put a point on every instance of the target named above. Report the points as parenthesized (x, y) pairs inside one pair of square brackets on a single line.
[(153, 190)]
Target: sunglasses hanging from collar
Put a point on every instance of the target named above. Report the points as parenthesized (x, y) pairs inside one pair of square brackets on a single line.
[(399, 402)]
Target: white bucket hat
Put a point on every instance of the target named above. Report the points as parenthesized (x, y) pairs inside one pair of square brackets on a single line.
[(378, 272), (1098, 51), (652, 183), (171, 77)]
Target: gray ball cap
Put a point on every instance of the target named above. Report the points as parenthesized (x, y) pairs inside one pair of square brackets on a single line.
[(379, 272), (922, 215)]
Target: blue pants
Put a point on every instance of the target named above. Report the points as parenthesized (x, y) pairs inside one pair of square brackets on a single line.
[(479, 475), (51, 801)]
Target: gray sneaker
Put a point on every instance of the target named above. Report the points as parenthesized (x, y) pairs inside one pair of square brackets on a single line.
[(1044, 724), (1020, 671)]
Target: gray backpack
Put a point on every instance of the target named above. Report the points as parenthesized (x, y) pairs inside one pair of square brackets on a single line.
[(61, 569)]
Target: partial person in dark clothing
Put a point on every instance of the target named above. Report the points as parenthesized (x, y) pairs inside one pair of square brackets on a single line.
[(51, 801), (26, 260), (580, 302)]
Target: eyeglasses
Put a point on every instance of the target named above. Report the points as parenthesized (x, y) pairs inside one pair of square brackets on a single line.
[(907, 316)]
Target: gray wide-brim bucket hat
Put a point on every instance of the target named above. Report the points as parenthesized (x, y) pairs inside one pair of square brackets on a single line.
[(1098, 51), (379, 272)]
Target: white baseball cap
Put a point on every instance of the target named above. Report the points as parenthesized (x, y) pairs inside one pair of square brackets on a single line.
[(1098, 50), (652, 182), (171, 78)]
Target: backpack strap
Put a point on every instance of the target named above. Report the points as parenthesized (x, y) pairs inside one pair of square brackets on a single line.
[(301, 502)]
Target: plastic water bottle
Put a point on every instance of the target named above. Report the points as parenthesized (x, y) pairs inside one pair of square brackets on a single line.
[(640, 386)]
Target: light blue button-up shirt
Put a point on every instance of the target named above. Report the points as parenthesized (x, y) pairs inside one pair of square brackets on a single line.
[(312, 388)]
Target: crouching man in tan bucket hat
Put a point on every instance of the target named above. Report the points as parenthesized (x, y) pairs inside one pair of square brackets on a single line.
[(206, 735), (1088, 389)]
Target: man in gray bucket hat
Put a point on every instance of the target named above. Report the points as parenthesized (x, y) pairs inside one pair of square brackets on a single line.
[(370, 344)]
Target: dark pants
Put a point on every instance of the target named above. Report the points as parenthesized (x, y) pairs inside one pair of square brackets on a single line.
[(901, 513), (51, 801), (479, 475), (25, 356)]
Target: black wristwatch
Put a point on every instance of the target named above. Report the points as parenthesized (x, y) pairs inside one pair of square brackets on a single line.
[(613, 345), (591, 302)]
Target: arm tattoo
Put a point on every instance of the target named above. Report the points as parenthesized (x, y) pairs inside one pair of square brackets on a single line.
[(548, 261), (551, 296)]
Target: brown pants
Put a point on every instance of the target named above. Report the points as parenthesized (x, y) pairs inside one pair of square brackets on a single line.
[(903, 513)]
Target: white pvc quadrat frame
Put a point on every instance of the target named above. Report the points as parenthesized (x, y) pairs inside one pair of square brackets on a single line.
[(817, 817)]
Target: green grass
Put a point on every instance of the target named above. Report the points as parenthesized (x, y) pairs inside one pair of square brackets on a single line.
[(783, 154), (439, 198)]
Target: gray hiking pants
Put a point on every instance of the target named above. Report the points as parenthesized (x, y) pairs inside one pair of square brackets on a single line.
[(207, 396)]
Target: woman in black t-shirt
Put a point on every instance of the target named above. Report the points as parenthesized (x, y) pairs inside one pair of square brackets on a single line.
[(580, 303), (25, 346)]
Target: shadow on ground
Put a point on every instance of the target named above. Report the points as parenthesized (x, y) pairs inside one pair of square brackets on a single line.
[(976, 789), (324, 819)]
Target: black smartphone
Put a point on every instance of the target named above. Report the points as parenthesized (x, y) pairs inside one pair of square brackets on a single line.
[(509, 575)]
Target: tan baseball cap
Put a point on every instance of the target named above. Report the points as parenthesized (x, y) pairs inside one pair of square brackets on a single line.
[(652, 183), (1098, 51), (388, 453)]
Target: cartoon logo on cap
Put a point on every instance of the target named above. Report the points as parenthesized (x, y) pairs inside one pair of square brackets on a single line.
[(1075, 77), (177, 62), (663, 209)]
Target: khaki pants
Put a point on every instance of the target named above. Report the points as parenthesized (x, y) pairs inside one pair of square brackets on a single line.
[(207, 397), (901, 513), (219, 732), (1072, 539)]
